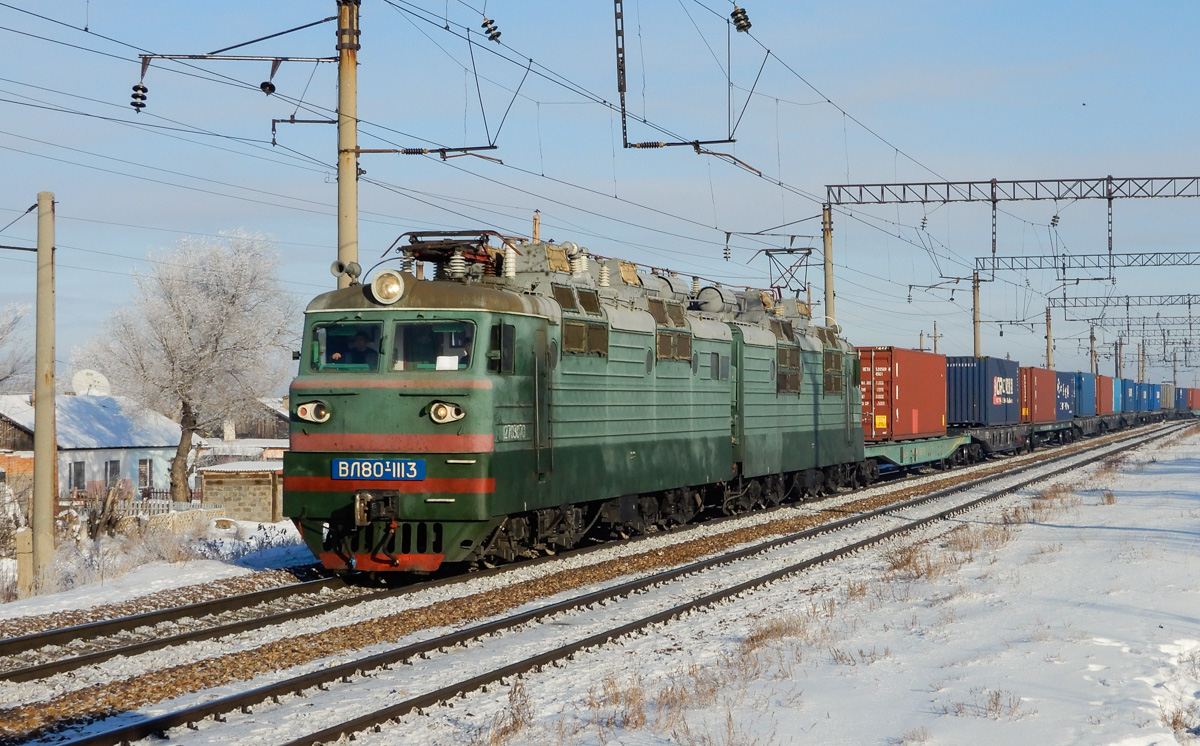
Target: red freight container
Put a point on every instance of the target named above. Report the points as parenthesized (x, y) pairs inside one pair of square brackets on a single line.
[(1039, 395), (1104, 394), (903, 393), (1194, 399)]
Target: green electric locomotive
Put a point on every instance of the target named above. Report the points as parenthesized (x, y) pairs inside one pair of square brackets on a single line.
[(531, 395)]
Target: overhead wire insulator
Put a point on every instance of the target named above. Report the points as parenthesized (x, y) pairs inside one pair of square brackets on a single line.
[(489, 28), (741, 21), (1054, 222), (139, 97)]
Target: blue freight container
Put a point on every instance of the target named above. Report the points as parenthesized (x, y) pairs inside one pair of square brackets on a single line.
[(1129, 395), (1141, 397), (982, 391), (1118, 395), (1180, 398), (1085, 394), (1064, 396), (1155, 399)]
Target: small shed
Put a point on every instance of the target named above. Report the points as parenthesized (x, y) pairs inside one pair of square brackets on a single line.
[(249, 490)]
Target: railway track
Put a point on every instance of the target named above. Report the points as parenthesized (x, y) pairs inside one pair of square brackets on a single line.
[(41, 655), (573, 624)]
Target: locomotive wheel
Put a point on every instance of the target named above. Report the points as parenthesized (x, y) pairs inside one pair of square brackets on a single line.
[(773, 493), (751, 498)]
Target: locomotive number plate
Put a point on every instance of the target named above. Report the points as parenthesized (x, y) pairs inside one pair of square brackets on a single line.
[(379, 468)]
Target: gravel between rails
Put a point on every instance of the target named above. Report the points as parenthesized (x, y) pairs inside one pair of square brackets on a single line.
[(199, 593), (109, 698)]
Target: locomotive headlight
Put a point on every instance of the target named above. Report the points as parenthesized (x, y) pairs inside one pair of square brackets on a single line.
[(442, 412), (388, 286), (313, 411)]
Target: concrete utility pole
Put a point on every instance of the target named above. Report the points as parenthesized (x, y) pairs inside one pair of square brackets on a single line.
[(1092, 355), (936, 337), (975, 312), (1117, 358), (1049, 342), (827, 236), (45, 440), (347, 126)]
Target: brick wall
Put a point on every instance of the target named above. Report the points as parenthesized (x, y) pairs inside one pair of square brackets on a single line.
[(18, 476), (246, 496)]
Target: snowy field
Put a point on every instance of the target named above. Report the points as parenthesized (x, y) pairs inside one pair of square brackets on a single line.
[(1066, 617), (111, 570), (1067, 614)]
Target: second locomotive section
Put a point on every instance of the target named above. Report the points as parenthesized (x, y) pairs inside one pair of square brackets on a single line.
[(527, 398)]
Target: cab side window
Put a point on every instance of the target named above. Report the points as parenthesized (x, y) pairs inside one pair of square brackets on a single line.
[(501, 353)]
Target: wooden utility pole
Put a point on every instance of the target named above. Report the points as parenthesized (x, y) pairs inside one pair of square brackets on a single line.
[(45, 440)]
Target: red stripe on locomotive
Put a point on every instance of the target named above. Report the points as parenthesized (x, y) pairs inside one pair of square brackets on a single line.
[(456, 486), (327, 382), (393, 443)]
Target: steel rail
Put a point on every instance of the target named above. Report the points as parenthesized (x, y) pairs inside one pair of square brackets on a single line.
[(95, 630), (216, 708), (64, 635), (536, 662)]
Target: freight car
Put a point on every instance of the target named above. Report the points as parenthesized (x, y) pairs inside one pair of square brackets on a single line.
[(992, 406), (529, 396)]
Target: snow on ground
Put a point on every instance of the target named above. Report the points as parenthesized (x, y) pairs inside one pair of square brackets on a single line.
[(233, 548), (1071, 619)]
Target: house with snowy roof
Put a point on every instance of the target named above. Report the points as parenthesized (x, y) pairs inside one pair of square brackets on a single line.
[(103, 441)]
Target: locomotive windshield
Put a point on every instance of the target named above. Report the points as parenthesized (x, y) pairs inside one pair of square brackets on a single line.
[(346, 346), (432, 345)]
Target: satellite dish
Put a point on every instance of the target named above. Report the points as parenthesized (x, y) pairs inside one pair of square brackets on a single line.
[(90, 383)]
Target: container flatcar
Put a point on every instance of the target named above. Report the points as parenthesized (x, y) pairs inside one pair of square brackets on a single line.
[(982, 391), (1064, 396), (1129, 395), (1038, 391), (1108, 395), (903, 393), (1085, 394)]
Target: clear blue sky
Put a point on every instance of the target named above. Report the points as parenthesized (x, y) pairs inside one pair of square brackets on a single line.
[(947, 89)]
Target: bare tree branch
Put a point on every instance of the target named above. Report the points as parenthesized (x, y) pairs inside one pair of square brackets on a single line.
[(16, 350), (202, 338)]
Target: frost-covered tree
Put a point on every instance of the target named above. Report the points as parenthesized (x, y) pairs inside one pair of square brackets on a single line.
[(16, 349), (207, 333)]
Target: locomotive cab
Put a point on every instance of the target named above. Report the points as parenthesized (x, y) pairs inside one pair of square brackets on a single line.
[(402, 413)]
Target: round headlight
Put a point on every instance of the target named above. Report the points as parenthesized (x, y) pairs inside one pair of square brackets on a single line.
[(442, 412), (313, 411), (388, 286)]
